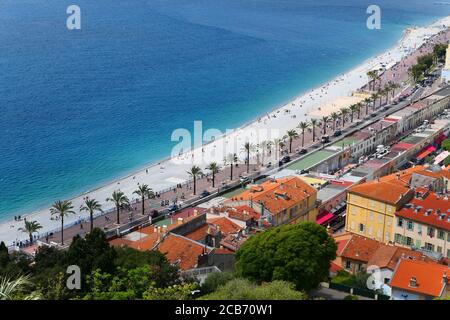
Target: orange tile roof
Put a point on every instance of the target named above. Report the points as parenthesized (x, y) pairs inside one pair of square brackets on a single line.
[(279, 194), (415, 210), (360, 248), (387, 256), (182, 251), (223, 251), (226, 225), (199, 233), (428, 275), (243, 213), (384, 191)]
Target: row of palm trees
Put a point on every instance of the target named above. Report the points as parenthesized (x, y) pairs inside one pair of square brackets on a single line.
[(62, 208)]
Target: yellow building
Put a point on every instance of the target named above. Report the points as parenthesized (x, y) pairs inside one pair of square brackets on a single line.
[(371, 206)]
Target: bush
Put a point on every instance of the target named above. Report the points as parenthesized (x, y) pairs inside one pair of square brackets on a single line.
[(351, 297), (243, 289), (215, 280)]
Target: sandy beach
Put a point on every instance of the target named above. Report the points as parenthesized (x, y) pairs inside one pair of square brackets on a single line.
[(172, 171)]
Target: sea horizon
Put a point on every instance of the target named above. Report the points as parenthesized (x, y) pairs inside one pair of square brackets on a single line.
[(257, 103)]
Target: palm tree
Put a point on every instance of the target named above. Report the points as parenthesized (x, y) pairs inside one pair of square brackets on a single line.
[(195, 172), (265, 146), (9, 288), (144, 191), (374, 98), (313, 123), (334, 116), (303, 126), (353, 108), (386, 91), (325, 120), (30, 228), (91, 205), (232, 159), (367, 101), (120, 201), (344, 112), (358, 109), (248, 147), (392, 87), (373, 76), (61, 209), (292, 134), (214, 168)]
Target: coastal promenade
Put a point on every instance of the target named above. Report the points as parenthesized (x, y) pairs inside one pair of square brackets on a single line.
[(164, 176)]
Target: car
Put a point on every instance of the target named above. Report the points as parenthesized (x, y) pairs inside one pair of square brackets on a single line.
[(325, 139), (285, 159), (373, 115), (244, 179), (337, 133), (385, 108), (303, 151), (269, 165), (173, 208), (205, 193)]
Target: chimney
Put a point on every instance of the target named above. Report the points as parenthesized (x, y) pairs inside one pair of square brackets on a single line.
[(413, 282), (180, 221)]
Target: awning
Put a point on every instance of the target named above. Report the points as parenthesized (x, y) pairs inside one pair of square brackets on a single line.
[(324, 217), (441, 138), (425, 152), (441, 157)]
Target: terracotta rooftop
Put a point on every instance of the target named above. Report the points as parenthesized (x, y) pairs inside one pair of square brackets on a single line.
[(388, 189), (278, 194), (387, 256), (225, 226), (359, 248), (420, 277), (182, 251), (428, 208), (243, 213)]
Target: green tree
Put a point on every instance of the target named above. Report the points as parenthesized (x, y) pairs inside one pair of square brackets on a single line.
[(292, 134), (120, 200), (144, 191), (446, 144), (243, 289), (61, 209), (215, 280), (303, 126), (232, 159), (195, 173), (30, 228), (248, 148), (214, 168), (299, 253), (334, 116), (91, 205), (182, 291), (325, 120), (13, 289)]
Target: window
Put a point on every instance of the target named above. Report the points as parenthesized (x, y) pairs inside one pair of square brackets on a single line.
[(410, 225), (439, 249), (448, 253), (398, 238), (361, 227), (430, 232), (400, 222), (419, 229), (371, 216), (409, 241), (348, 265), (353, 210), (429, 246), (441, 235), (360, 267), (418, 243), (369, 229)]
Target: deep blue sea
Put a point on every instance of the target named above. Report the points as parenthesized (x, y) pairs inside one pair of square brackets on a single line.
[(81, 107)]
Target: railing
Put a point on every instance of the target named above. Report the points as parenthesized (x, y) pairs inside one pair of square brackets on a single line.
[(199, 272)]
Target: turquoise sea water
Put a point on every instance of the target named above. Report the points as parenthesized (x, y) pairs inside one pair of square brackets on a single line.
[(79, 108)]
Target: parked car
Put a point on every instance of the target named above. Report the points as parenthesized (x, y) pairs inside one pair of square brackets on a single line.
[(173, 208), (303, 151), (205, 193), (337, 133), (285, 159)]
